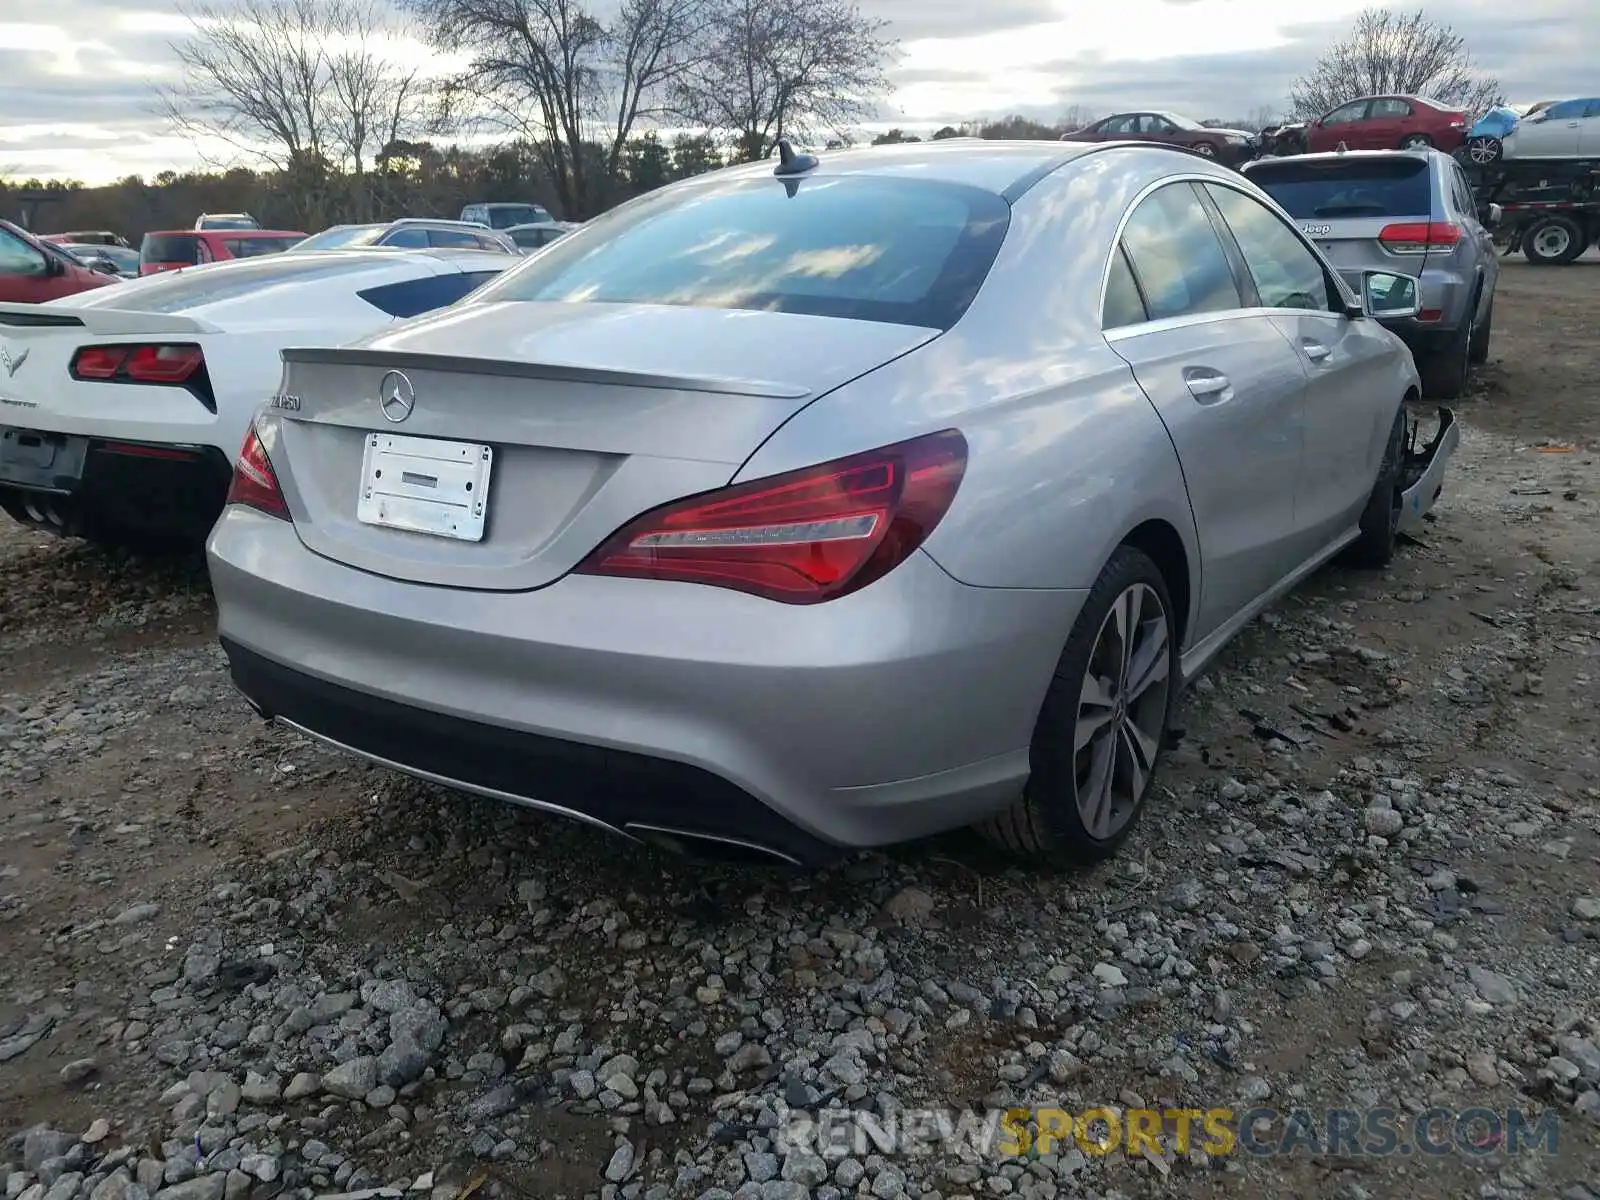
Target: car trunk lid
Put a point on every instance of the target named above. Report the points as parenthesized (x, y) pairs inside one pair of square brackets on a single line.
[(589, 413)]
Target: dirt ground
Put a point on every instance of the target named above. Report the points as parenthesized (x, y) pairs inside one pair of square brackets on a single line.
[(148, 822)]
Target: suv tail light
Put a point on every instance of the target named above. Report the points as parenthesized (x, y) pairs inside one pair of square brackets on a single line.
[(254, 483), (802, 537), (1418, 237)]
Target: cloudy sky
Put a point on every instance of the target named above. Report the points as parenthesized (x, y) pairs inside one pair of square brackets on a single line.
[(76, 76)]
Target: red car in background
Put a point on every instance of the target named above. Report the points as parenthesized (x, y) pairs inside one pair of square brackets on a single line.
[(32, 271), (167, 250), (1388, 123)]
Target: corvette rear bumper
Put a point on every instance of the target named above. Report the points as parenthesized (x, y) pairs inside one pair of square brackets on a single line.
[(77, 486)]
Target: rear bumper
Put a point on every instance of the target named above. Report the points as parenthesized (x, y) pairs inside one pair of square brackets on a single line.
[(79, 485), (904, 709)]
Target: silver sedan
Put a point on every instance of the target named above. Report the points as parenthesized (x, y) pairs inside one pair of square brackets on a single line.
[(813, 505)]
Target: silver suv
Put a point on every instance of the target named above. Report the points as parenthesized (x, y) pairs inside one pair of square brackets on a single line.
[(1404, 211)]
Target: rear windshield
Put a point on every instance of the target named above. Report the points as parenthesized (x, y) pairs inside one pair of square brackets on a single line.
[(1379, 187), (170, 248), (252, 246), (908, 252), (504, 216)]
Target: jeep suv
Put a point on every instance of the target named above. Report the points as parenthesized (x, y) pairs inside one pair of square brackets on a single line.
[(1409, 212)]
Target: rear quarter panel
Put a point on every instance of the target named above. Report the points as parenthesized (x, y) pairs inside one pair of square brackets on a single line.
[(1067, 455)]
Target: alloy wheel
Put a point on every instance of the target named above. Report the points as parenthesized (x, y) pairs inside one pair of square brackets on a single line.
[(1482, 150), (1121, 708)]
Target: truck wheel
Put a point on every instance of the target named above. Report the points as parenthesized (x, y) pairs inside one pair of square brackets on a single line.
[(1553, 241)]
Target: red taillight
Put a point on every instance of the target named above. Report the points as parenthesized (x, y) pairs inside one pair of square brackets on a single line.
[(1418, 237), (255, 484), (155, 363), (803, 537)]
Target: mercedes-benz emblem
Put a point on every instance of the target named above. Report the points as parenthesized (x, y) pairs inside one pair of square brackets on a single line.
[(396, 396)]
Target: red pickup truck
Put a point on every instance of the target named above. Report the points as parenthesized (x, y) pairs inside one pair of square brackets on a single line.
[(32, 271)]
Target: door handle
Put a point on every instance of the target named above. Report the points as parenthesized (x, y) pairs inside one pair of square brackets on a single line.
[(1206, 385), (1315, 351)]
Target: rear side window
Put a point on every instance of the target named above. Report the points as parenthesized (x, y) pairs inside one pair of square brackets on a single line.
[(904, 251), (452, 237), (1390, 108), (1374, 187), (412, 297), (1124, 305), (1181, 265), (409, 236), (170, 248)]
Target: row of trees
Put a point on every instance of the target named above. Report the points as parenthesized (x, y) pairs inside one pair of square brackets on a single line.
[(330, 93), (340, 111)]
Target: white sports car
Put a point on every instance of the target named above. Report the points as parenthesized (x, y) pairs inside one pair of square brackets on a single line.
[(122, 409)]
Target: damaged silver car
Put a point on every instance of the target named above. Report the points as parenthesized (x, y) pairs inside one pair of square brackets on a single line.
[(810, 505)]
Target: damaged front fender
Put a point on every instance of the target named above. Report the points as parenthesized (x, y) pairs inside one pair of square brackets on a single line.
[(1422, 476)]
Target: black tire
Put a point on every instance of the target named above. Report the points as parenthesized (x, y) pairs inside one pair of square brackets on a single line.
[(1416, 141), (1444, 373), (1046, 822), (1478, 348), (1543, 243), (1380, 520)]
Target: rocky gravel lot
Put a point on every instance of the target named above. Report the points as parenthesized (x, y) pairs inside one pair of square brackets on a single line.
[(234, 964)]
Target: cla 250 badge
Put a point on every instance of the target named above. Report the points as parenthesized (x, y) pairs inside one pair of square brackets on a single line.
[(286, 402), (1316, 230)]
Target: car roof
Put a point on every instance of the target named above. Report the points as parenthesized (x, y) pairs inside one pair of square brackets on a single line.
[(995, 166), (1332, 156)]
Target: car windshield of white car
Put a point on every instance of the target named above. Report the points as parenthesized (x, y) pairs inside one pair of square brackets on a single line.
[(909, 252), (179, 290), (1369, 187)]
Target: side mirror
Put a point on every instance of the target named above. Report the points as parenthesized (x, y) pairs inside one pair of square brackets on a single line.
[(1385, 295)]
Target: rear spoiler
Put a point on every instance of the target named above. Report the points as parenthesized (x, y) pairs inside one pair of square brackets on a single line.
[(554, 372), (25, 319)]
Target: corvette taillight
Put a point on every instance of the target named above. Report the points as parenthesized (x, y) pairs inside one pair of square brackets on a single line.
[(802, 537), (254, 483), (152, 363)]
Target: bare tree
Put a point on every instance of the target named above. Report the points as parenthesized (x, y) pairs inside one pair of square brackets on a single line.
[(573, 85), (778, 68), (303, 86), (1390, 53)]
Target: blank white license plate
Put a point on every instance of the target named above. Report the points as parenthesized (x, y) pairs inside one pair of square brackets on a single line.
[(425, 485)]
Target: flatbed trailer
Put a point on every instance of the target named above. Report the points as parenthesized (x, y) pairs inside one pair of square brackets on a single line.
[(1550, 210)]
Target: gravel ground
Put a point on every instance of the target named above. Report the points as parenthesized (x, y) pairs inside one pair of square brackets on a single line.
[(237, 965)]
